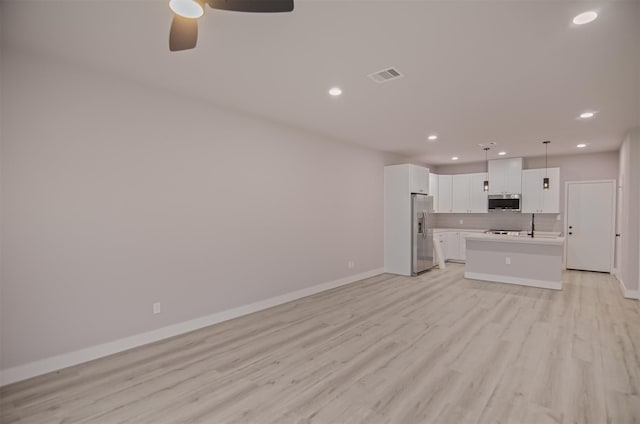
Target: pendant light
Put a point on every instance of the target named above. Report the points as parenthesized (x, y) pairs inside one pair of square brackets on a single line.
[(545, 180), (486, 158)]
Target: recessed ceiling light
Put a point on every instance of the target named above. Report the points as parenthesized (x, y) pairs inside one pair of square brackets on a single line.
[(581, 145), (454, 158), (587, 115), (585, 18), (502, 153), (432, 137), (335, 91), (186, 8)]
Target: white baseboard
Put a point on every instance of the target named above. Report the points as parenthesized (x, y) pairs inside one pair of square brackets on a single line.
[(629, 294), (543, 284), (32, 369)]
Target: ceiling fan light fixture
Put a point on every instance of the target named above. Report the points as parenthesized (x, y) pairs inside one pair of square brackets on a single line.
[(585, 18), (187, 8)]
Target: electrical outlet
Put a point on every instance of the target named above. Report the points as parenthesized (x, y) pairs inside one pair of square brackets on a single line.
[(559, 217), (461, 222), (351, 264), (507, 260), (157, 308)]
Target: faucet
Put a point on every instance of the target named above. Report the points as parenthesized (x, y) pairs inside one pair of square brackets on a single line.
[(533, 223)]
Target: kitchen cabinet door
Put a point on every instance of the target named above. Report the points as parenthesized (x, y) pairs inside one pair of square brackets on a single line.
[(451, 245), (478, 198), (532, 190), (551, 197), (460, 193), (439, 239), (433, 190), (534, 198), (505, 176), (444, 193), (419, 179), (467, 193)]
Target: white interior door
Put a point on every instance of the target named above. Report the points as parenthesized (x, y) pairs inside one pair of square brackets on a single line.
[(590, 231)]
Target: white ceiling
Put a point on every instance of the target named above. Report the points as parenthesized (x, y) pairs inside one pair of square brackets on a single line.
[(512, 72)]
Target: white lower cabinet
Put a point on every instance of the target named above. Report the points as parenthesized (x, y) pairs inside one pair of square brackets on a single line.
[(452, 244)]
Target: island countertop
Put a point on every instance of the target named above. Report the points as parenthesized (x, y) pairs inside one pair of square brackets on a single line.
[(518, 259), (541, 239)]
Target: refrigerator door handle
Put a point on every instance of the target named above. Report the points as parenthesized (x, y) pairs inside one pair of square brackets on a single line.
[(424, 219)]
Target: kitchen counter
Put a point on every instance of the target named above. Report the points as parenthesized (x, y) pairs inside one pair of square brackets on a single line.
[(523, 238), (518, 259), (463, 230)]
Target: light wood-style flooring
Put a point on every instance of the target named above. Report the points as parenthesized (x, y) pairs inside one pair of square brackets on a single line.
[(432, 349)]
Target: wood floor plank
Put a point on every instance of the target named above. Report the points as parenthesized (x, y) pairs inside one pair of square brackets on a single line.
[(389, 349)]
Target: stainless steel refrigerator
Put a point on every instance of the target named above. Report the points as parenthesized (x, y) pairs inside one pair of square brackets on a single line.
[(421, 233)]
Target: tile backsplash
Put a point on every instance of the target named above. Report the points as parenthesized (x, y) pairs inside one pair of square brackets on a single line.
[(499, 220)]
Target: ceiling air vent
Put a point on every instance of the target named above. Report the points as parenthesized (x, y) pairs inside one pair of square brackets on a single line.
[(385, 75)]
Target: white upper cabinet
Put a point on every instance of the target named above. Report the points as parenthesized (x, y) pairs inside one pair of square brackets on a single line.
[(551, 197), (534, 198), (433, 190), (478, 198), (444, 193), (460, 194), (419, 177), (505, 176), (532, 190), (468, 195)]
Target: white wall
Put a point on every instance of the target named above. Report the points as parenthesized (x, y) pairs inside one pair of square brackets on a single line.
[(115, 196), (629, 218)]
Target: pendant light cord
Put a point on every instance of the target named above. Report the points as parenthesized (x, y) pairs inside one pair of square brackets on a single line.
[(486, 159), (546, 150)]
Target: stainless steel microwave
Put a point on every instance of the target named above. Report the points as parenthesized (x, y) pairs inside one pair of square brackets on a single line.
[(504, 202)]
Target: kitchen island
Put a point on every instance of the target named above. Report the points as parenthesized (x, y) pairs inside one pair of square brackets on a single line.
[(518, 259)]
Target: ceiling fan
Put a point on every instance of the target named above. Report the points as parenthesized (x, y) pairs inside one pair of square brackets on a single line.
[(184, 28)]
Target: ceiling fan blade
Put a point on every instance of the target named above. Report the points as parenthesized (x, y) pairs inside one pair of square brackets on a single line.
[(184, 33), (258, 6)]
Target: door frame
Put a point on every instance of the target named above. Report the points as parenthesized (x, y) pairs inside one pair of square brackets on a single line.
[(612, 242)]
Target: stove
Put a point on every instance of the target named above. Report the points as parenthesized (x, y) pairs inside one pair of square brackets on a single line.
[(504, 232)]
